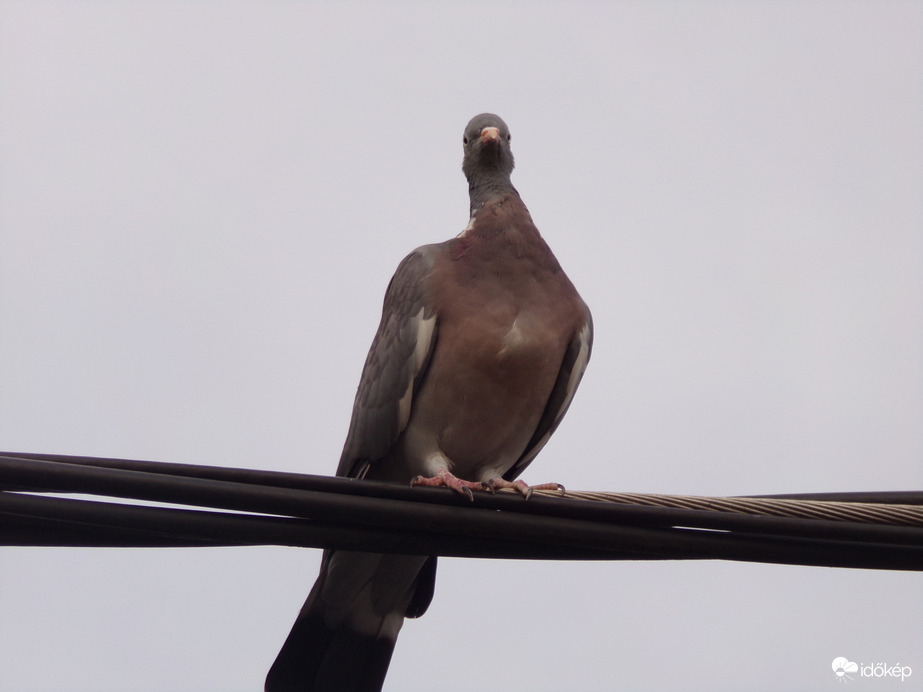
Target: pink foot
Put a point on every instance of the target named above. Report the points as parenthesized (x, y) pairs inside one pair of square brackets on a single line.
[(522, 487), (445, 479)]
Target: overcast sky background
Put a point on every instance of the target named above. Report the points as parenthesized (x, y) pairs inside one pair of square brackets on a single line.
[(201, 204)]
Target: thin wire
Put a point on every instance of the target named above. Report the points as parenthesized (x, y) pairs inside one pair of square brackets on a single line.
[(865, 512)]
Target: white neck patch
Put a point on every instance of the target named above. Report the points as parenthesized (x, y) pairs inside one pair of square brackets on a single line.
[(468, 227)]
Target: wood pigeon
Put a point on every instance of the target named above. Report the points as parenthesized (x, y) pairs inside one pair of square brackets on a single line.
[(482, 343)]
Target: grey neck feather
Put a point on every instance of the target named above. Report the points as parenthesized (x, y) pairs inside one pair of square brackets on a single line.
[(482, 188)]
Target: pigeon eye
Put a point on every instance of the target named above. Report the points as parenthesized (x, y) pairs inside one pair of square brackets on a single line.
[(465, 141), (509, 138)]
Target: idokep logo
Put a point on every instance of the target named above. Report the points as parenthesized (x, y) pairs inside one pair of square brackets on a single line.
[(846, 670), (843, 667)]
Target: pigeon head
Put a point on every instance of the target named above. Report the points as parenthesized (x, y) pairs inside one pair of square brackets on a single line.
[(487, 147), (488, 159)]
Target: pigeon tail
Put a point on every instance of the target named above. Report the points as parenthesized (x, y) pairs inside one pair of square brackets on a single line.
[(344, 636)]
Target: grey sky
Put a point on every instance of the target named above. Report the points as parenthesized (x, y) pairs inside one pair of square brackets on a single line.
[(201, 204)]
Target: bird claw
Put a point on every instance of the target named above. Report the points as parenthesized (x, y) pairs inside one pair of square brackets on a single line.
[(445, 479), (522, 487), (557, 487)]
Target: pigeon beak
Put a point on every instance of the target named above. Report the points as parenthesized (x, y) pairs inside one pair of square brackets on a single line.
[(490, 134)]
